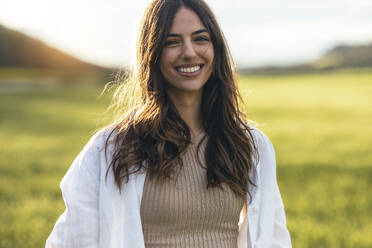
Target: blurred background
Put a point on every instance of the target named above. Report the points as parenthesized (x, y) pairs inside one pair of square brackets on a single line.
[(305, 73)]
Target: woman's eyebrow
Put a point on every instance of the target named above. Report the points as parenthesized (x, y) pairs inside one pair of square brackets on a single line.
[(194, 33), (200, 31)]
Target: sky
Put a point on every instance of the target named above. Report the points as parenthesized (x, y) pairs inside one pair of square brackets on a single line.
[(259, 32)]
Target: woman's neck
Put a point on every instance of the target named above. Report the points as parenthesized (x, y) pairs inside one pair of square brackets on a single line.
[(188, 105)]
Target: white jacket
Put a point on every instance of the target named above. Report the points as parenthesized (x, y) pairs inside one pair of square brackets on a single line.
[(98, 216)]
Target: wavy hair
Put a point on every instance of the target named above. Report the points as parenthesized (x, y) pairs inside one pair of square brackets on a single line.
[(152, 136)]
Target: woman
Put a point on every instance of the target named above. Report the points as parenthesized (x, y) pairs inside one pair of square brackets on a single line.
[(183, 168)]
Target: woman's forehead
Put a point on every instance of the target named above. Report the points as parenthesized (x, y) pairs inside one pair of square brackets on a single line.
[(186, 21)]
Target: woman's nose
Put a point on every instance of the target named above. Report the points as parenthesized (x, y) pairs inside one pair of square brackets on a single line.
[(189, 50)]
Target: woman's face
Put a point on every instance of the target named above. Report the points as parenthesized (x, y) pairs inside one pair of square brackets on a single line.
[(186, 60)]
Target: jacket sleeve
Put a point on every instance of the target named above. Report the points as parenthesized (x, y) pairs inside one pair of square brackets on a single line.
[(78, 226), (281, 237), (272, 229)]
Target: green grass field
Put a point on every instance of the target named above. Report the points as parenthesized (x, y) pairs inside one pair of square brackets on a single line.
[(320, 126)]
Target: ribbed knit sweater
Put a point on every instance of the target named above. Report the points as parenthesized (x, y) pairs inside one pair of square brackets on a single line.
[(185, 213)]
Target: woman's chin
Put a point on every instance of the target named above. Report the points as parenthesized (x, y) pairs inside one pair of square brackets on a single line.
[(189, 88)]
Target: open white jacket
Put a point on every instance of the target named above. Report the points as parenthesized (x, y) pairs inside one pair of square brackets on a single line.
[(99, 216)]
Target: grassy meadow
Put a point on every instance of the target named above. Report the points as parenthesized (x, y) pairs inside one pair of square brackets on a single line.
[(320, 126)]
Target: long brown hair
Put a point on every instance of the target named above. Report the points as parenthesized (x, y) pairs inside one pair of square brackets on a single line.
[(153, 137)]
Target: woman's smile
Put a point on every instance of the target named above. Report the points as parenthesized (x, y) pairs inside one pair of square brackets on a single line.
[(189, 70)]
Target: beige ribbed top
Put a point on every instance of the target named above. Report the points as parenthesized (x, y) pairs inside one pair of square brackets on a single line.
[(185, 214)]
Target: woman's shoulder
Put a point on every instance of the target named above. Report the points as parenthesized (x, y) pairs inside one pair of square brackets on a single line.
[(265, 151), (259, 137), (101, 141)]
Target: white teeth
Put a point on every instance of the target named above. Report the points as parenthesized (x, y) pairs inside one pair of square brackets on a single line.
[(189, 69)]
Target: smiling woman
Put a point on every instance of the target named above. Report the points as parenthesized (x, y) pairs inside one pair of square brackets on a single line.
[(183, 168)]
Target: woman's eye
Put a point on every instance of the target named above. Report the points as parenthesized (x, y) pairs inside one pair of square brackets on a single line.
[(201, 38), (171, 42)]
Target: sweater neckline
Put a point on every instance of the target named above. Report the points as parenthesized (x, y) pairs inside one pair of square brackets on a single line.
[(197, 138)]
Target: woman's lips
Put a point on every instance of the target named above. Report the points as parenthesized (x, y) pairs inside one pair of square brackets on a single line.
[(183, 71)]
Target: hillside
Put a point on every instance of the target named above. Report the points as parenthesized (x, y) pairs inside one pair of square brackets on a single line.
[(21, 51), (337, 58), (345, 56)]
